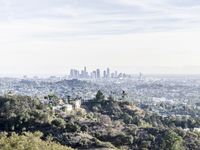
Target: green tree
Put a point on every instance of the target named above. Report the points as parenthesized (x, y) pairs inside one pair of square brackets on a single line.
[(59, 122), (124, 95), (111, 98), (100, 96), (28, 141), (171, 141)]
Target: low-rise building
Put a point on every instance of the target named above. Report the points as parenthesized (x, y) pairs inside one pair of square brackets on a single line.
[(67, 108)]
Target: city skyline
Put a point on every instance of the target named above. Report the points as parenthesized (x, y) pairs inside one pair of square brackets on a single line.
[(155, 70), (95, 74), (132, 36)]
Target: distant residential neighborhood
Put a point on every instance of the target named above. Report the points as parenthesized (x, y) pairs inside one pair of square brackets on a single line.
[(166, 95)]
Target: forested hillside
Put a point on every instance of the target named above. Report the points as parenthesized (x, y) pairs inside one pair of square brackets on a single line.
[(102, 122)]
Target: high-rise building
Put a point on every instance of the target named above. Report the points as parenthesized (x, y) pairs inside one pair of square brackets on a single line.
[(71, 73), (76, 74), (98, 73), (108, 73), (104, 74), (140, 76), (94, 74), (85, 69), (82, 74), (85, 75), (116, 75)]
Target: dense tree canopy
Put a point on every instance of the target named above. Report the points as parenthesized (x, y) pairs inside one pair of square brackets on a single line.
[(28, 141), (102, 123)]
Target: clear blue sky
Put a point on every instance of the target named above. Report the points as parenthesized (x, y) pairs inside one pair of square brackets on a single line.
[(51, 36)]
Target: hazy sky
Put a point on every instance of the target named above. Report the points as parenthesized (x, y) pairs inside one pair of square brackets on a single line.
[(51, 36)]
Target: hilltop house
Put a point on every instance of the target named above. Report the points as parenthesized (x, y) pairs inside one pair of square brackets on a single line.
[(64, 108)]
